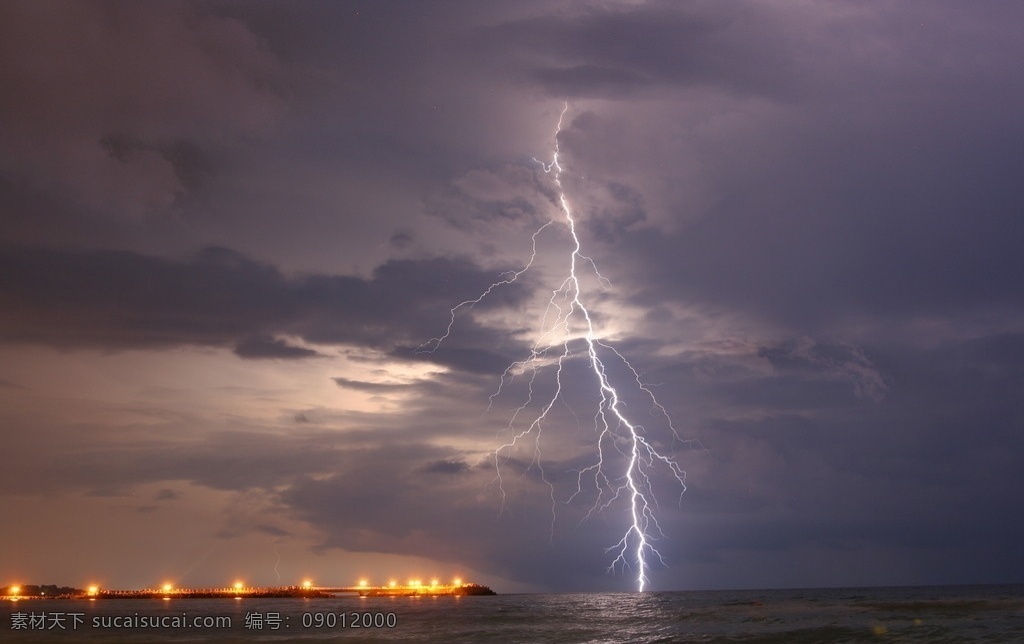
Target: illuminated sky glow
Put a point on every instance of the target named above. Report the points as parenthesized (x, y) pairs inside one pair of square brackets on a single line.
[(228, 228)]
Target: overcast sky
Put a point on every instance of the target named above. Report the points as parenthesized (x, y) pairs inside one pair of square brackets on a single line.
[(226, 228)]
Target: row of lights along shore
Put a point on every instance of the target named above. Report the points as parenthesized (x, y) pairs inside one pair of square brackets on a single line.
[(14, 591)]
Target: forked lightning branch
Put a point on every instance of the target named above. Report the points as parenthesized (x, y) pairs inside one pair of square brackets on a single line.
[(568, 332)]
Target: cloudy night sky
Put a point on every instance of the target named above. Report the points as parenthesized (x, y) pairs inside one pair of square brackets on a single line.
[(227, 229)]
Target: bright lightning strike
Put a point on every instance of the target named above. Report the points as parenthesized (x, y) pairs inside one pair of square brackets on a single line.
[(567, 317)]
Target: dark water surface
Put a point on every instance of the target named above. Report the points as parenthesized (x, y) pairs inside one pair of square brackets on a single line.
[(920, 614)]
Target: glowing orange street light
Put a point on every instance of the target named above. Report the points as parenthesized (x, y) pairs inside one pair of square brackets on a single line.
[(457, 581), (239, 585), (15, 591), (392, 583), (433, 582), (362, 583), (307, 584), (93, 590), (168, 588)]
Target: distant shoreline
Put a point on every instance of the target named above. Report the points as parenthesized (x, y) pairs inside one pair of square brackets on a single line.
[(298, 592)]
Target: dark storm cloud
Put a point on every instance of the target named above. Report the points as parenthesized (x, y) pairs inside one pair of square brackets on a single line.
[(589, 80), (372, 387), (835, 361), (446, 467), (118, 299), (473, 359), (273, 531), (617, 52), (401, 240), (166, 494), (516, 197), (268, 347), (900, 245), (922, 469), (109, 102), (887, 190)]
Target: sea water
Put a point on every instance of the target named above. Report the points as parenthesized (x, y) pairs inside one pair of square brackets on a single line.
[(918, 614)]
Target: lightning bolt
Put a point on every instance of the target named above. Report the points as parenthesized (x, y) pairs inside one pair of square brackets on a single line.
[(567, 323)]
